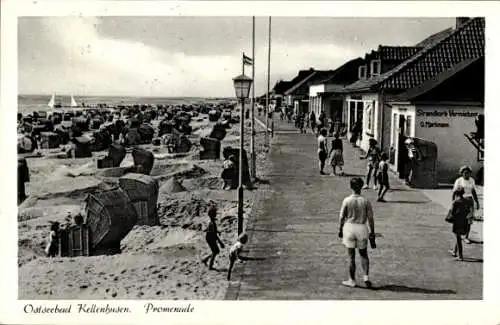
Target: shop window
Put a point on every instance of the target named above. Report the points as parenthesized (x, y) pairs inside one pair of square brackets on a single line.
[(375, 68)]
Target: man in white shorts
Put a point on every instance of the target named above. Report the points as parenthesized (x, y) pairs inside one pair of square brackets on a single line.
[(355, 212)]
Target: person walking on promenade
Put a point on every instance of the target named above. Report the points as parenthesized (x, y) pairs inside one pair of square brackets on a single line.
[(355, 133), (458, 216), (234, 253), (212, 238), (413, 158), (373, 156), (322, 151), (337, 154), (302, 121), (356, 211), (383, 177), (312, 117), (470, 194)]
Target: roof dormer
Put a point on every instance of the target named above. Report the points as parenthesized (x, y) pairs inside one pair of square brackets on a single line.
[(375, 67), (362, 72)]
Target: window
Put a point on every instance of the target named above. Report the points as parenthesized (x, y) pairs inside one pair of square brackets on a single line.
[(375, 68), (362, 72)]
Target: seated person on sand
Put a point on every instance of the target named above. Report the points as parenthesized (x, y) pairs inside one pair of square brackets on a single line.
[(53, 242), (227, 175)]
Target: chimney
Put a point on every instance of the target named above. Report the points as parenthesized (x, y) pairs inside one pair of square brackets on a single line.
[(460, 21)]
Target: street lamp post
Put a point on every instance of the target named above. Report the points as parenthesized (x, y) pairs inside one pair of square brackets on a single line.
[(242, 85)]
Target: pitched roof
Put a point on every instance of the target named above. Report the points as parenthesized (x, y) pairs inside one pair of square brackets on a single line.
[(303, 74), (345, 74), (281, 86), (397, 53), (302, 87), (435, 38), (466, 42), (437, 80)]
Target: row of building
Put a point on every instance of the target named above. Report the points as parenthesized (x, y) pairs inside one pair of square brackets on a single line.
[(432, 91)]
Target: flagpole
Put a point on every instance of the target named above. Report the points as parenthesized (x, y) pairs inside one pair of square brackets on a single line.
[(243, 63), (268, 82), (252, 121)]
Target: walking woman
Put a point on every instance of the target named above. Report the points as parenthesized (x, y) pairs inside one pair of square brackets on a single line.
[(470, 194), (355, 132), (373, 156), (312, 117), (322, 151), (337, 154), (458, 216)]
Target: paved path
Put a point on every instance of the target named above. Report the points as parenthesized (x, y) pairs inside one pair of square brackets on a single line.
[(297, 254)]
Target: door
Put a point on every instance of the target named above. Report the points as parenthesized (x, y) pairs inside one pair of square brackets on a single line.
[(402, 151), (352, 114), (394, 140)]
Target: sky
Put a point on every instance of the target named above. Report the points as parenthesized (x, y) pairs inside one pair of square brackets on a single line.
[(193, 56)]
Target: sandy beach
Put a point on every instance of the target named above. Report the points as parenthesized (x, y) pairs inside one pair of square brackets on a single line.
[(158, 262)]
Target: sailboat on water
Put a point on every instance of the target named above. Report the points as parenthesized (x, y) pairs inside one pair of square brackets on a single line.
[(53, 104), (73, 102), (52, 101)]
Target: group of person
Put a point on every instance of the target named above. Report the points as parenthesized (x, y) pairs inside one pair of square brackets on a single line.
[(377, 166), (212, 237), (461, 214)]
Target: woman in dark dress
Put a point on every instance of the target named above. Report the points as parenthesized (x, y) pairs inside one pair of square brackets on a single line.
[(459, 211), (355, 132), (337, 154)]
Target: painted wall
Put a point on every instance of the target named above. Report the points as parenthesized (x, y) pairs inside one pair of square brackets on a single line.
[(315, 89), (445, 126)]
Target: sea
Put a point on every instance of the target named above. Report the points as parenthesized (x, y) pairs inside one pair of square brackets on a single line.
[(27, 104)]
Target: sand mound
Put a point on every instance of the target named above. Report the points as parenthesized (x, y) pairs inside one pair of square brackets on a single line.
[(182, 169), (113, 172), (147, 239), (74, 187), (190, 212), (172, 186), (185, 213), (214, 183)]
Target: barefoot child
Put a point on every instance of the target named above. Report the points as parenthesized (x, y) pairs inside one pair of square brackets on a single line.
[(234, 253), (322, 150), (458, 214), (383, 177), (336, 154), (212, 238)]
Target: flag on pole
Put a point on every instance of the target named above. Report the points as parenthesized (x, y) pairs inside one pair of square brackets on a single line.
[(247, 60)]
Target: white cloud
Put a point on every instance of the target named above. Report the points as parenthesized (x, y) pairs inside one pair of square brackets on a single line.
[(92, 64)]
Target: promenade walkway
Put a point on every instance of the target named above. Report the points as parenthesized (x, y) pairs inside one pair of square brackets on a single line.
[(297, 253)]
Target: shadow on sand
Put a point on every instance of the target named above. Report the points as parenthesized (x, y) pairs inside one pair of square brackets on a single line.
[(262, 181), (407, 202), (352, 175), (473, 260), (400, 288), (249, 258)]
